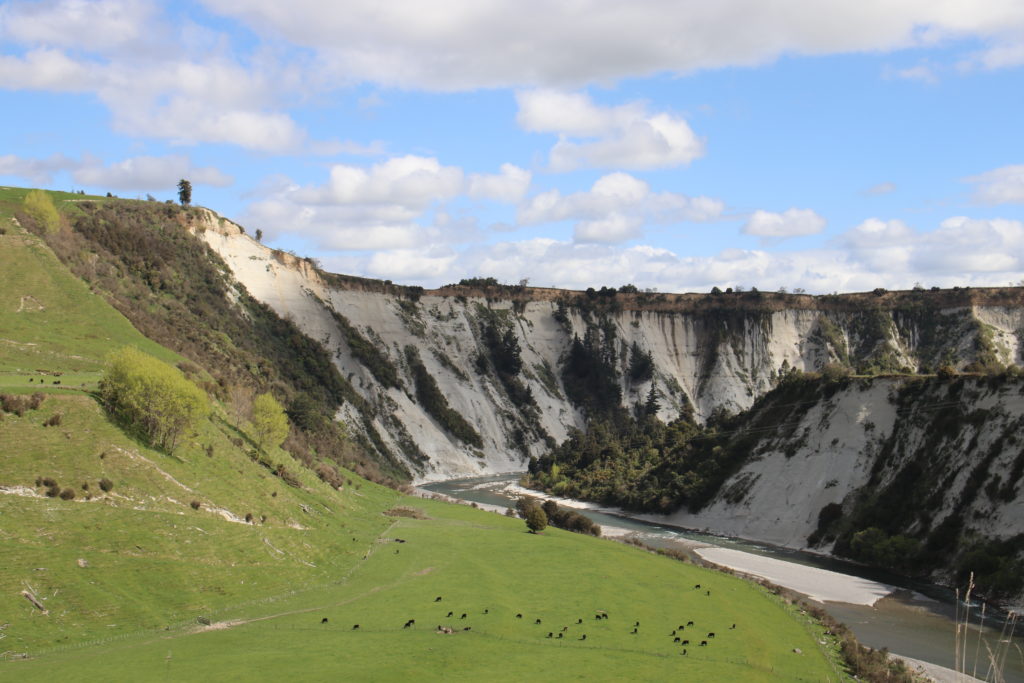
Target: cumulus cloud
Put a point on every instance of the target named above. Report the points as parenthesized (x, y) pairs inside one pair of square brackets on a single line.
[(135, 173), (38, 171), (876, 253), (922, 72), (615, 208), (383, 206), (509, 186), (1003, 185), (101, 25), (790, 223), (148, 173), (504, 43), (626, 136)]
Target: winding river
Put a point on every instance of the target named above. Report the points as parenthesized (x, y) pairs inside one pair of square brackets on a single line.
[(917, 621)]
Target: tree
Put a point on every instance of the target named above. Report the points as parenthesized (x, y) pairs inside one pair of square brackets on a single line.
[(184, 192), (40, 207), (151, 397), (269, 422), (536, 519), (259, 235)]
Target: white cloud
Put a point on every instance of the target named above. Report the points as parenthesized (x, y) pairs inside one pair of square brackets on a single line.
[(38, 171), (922, 72), (148, 173), (468, 44), (626, 136), (100, 25), (790, 223), (135, 173), (613, 228), (1003, 185), (615, 208), (384, 206), (509, 186), (876, 253), (880, 189)]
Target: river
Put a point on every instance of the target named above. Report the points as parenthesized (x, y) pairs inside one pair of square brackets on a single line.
[(917, 621)]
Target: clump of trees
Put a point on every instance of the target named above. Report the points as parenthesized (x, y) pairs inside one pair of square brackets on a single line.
[(150, 397), (563, 518), (40, 208)]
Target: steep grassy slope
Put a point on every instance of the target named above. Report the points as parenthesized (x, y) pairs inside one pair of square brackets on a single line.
[(49, 320)]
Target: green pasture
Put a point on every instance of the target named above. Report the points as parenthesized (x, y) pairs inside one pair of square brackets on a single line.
[(49, 320)]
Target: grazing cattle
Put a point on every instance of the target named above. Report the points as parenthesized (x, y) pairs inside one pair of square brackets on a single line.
[(680, 628), (711, 634), (407, 625), (519, 616), (732, 627), (560, 635), (579, 621), (684, 651), (676, 639), (486, 611), (583, 637), (685, 642), (550, 634), (396, 552), (673, 633), (696, 587), (708, 593), (703, 643), (450, 614), (597, 616), (633, 631), (636, 624), (463, 616), (689, 623), (355, 627), (537, 622), (324, 620), (437, 599), (468, 628)]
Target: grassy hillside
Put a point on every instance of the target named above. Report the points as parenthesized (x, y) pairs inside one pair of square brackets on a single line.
[(49, 320), (216, 561)]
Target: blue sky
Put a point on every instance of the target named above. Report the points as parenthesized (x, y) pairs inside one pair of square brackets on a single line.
[(827, 146)]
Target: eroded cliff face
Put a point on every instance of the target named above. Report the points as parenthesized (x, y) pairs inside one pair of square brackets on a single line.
[(707, 352), (918, 475)]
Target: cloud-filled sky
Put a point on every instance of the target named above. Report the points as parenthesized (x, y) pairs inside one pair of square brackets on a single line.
[(675, 145)]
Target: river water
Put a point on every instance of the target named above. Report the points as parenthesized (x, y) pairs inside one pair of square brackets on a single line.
[(917, 621)]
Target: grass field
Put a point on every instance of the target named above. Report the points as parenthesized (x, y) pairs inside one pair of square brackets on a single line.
[(49, 320), (130, 577)]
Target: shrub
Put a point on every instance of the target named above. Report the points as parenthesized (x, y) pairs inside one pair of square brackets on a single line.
[(52, 491), (329, 474), (269, 423), (67, 494), (48, 482), (106, 485), (403, 511), (196, 504), (54, 420), (248, 517), (536, 520), (36, 400), (40, 208), (16, 405), (151, 396)]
